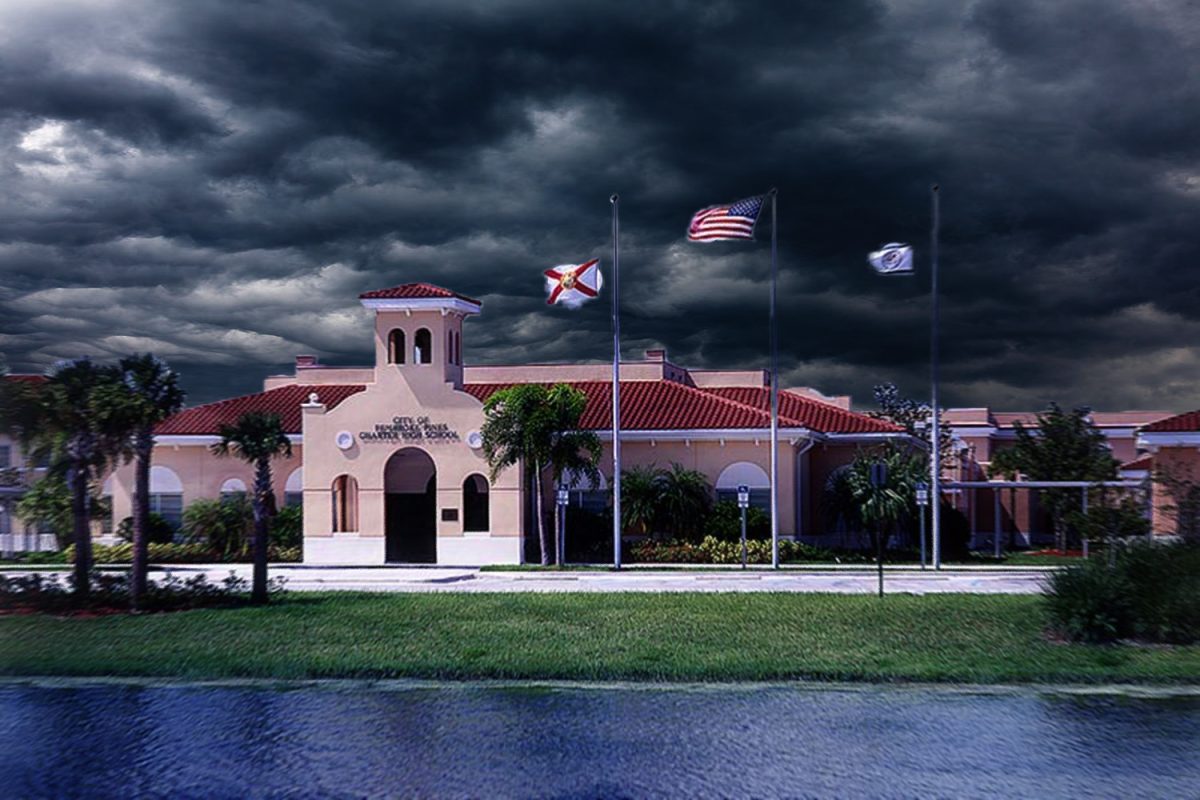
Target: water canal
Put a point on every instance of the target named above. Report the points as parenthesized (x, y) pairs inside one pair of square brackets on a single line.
[(348, 739)]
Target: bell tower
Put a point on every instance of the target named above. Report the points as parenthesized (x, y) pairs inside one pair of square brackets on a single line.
[(418, 331)]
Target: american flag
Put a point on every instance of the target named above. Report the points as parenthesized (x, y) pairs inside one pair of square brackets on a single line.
[(721, 223)]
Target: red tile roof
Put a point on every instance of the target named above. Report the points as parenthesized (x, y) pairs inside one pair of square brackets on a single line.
[(416, 291), (284, 401), (1189, 421), (805, 412), (1101, 419), (1138, 464), (25, 378), (666, 405), (645, 405)]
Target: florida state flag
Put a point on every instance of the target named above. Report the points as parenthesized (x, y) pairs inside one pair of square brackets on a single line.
[(573, 284)]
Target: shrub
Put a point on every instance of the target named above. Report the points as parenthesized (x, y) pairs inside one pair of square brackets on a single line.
[(287, 528), (176, 553), (649, 551), (1089, 602), (725, 522), (712, 550), (1149, 593), (111, 591), (225, 527), (160, 531), (589, 536)]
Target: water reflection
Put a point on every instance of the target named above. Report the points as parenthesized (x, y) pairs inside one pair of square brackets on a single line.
[(476, 741)]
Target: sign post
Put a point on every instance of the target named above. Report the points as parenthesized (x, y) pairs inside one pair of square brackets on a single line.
[(922, 501), (743, 493), (878, 481), (564, 497)]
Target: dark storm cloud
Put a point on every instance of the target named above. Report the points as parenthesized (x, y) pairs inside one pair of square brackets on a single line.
[(217, 181)]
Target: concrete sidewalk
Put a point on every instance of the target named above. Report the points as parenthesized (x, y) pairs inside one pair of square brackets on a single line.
[(846, 580)]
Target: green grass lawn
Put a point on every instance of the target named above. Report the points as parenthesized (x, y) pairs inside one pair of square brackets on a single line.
[(680, 637)]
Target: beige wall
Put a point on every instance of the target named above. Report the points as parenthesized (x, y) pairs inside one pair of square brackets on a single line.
[(200, 472), (414, 391)]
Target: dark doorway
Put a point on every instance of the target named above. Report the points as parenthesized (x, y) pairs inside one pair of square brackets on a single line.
[(410, 483)]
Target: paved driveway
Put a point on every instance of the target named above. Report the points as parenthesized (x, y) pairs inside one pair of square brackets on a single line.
[(471, 579)]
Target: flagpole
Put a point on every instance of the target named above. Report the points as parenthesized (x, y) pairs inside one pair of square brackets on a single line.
[(774, 390), (615, 200), (935, 468)]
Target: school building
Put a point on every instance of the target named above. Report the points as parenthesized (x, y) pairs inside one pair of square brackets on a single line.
[(388, 466)]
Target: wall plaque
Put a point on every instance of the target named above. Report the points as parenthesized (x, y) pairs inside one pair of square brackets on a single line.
[(409, 430)]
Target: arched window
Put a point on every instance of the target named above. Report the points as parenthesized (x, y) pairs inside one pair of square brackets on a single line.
[(232, 489), (293, 490), (396, 347), (475, 503), (744, 473), (166, 495), (423, 347), (345, 504)]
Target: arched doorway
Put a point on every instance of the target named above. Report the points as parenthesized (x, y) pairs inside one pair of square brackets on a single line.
[(410, 521)]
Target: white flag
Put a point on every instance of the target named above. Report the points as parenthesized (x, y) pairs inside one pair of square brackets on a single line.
[(573, 284), (892, 259)]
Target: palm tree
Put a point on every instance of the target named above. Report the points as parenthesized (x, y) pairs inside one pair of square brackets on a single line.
[(257, 437), (538, 427), (640, 492), (849, 494), (684, 497), (62, 420), (154, 394)]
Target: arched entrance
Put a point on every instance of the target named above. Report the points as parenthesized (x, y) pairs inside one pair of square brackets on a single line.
[(410, 511)]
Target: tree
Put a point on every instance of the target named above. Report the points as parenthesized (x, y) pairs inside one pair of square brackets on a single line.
[(63, 421), (537, 427), (47, 504), (910, 414), (570, 449), (257, 437), (1064, 446), (879, 510), (151, 394)]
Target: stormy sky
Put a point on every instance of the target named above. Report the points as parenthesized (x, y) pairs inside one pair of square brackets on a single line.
[(217, 181)]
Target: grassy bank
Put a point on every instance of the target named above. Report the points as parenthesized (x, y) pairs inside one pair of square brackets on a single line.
[(691, 637)]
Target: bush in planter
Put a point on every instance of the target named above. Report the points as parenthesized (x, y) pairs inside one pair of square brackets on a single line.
[(159, 532), (649, 551)]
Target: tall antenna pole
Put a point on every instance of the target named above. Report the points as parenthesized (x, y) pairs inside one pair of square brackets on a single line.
[(774, 391), (935, 468), (615, 200)]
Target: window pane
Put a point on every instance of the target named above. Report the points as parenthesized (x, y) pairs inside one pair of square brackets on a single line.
[(169, 507)]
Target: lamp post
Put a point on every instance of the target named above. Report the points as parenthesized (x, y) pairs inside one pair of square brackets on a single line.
[(564, 497), (922, 501)]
